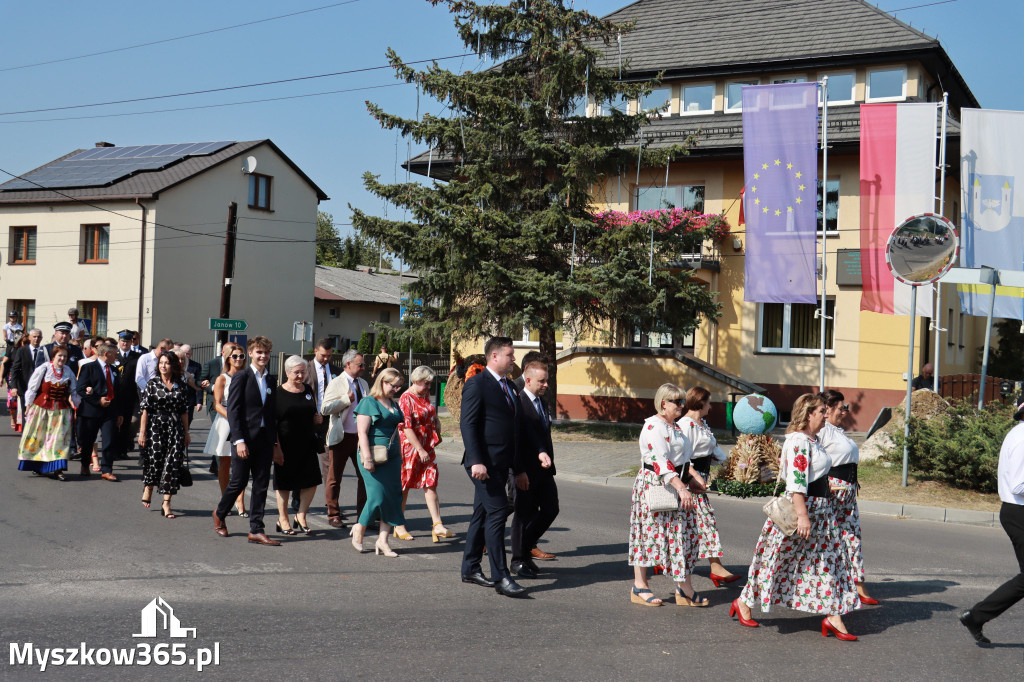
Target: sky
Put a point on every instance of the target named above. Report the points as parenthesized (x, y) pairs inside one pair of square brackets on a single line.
[(330, 136)]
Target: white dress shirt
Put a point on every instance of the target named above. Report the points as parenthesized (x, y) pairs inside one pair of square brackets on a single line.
[(1011, 466), (145, 370), (349, 423), (323, 377)]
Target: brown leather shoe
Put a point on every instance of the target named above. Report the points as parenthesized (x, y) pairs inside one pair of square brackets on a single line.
[(109, 477), (540, 554), (262, 539), (85, 471), (336, 522), (218, 525)]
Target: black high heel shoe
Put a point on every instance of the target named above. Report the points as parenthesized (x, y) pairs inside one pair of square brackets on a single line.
[(286, 531), (304, 529)]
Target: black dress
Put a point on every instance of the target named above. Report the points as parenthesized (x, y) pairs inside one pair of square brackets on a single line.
[(164, 452), (295, 432)]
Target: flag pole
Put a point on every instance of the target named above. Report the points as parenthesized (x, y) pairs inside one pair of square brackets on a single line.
[(937, 313), (824, 232)]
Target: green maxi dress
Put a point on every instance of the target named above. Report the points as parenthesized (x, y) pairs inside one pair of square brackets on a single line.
[(384, 483)]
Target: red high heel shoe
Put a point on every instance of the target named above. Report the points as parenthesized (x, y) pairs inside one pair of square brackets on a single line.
[(868, 601), (718, 580), (734, 610), (827, 627)]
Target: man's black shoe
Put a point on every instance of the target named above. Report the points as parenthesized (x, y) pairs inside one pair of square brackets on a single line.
[(478, 579), (524, 570), (968, 622), (510, 588)]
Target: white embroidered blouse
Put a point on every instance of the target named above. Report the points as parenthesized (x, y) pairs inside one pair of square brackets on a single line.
[(664, 448), (840, 448), (804, 461), (701, 438)]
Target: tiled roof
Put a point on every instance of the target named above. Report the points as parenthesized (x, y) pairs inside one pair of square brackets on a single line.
[(146, 185), (357, 286)]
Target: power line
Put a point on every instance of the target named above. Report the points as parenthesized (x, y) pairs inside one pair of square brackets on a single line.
[(929, 4), (170, 40)]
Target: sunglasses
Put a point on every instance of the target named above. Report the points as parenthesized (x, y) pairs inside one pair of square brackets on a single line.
[(237, 356), (845, 408), (678, 401)]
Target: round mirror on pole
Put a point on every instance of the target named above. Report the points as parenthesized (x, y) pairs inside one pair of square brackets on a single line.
[(922, 249)]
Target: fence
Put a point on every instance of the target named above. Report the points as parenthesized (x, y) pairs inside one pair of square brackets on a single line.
[(960, 386)]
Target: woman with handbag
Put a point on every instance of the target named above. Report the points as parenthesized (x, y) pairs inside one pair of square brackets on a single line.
[(378, 418), (706, 454), (658, 531), (163, 433), (803, 567), (296, 464), (842, 479)]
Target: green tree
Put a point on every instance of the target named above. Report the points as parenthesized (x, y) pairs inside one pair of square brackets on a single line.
[(494, 242), (1006, 360), (328, 246), (364, 345), (350, 252)]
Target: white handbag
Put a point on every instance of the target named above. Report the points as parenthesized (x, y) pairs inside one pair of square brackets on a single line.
[(661, 498)]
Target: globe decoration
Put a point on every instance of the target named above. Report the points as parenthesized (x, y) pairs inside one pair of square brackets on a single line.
[(755, 414)]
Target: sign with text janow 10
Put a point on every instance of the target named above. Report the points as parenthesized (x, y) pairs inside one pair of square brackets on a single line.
[(221, 324)]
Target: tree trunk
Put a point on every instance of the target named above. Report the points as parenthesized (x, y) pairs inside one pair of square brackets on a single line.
[(547, 347)]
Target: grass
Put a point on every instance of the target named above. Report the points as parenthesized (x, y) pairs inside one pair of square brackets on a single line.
[(884, 484)]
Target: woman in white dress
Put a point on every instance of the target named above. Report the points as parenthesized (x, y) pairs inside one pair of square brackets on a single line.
[(842, 478), (217, 443), (706, 454)]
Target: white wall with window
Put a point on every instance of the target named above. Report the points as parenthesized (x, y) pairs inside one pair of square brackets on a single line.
[(794, 328), (886, 85)]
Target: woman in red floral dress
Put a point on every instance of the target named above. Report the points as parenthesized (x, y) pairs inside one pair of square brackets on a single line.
[(810, 570), (663, 539), (419, 435)]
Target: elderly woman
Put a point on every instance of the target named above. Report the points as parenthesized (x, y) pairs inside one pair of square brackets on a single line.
[(662, 539), (808, 571), (46, 438), (217, 443), (420, 434), (163, 432), (296, 463), (706, 453), (378, 418), (842, 479)]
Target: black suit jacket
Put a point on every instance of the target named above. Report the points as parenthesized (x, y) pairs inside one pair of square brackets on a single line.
[(246, 409), (92, 376), (212, 369), (22, 367), (74, 355), (537, 439), (491, 430), (128, 391)]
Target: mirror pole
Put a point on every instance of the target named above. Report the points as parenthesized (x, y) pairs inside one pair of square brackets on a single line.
[(910, 384)]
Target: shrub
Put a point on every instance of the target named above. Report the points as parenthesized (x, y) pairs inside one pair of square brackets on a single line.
[(737, 489), (960, 448)]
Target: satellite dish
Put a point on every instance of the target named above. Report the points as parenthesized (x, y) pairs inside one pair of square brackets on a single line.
[(249, 165), (922, 249)]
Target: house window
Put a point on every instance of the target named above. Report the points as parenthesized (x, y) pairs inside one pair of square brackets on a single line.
[(698, 99), (789, 79), (26, 311), (831, 206), (618, 102), (659, 99), (95, 247), (259, 191), (577, 106), (22, 249), (332, 312), (793, 328), (734, 94), (887, 85), (840, 88), (385, 316), (689, 197), (96, 314)]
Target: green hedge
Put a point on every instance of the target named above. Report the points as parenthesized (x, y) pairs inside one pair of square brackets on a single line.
[(737, 489)]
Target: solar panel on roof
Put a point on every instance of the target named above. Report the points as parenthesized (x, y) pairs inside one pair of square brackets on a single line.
[(105, 165)]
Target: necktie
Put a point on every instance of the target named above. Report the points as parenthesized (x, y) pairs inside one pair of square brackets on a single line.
[(359, 394), (508, 394), (541, 410), (110, 383), (35, 357)]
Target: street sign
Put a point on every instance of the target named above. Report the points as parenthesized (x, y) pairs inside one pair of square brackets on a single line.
[(219, 325), (241, 339), (302, 331)]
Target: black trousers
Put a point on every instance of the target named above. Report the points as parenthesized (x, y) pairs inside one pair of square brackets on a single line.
[(487, 525), (536, 509), (88, 429), (257, 465), (1011, 516)]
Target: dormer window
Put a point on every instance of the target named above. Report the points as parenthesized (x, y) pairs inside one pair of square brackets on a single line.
[(659, 99), (887, 85), (734, 94), (616, 103), (698, 99), (840, 88)]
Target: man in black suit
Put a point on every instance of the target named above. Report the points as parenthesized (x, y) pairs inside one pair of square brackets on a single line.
[(25, 361), (212, 369), (99, 412), (490, 425), (253, 436), (125, 364), (61, 336), (536, 506)]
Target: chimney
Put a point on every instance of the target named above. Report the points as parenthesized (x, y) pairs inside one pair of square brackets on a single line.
[(105, 144)]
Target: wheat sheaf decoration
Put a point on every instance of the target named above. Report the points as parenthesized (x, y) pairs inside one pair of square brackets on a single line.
[(754, 459)]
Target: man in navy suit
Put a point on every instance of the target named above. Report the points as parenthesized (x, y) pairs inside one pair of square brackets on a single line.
[(125, 364), (99, 412), (61, 336), (253, 436), (490, 425), (24, 362), (537, 505)]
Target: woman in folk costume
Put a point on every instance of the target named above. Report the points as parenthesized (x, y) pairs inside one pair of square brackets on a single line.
[(46, 438)]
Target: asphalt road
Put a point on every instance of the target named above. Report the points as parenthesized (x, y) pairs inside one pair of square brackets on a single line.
[(81, 559)]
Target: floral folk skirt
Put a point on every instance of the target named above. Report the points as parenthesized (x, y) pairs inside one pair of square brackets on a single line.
[(811, 575), (702, 521), (844, 498), (659, 539), (45, 440)]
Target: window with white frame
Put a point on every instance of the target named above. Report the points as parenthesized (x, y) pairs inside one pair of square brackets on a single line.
[(794, 328), (734, 94), (789, 79), (688, 197), (840, 88), (660, 99), (578, 106), (886, 85), (831, 207), (698, 99), (617, 103)]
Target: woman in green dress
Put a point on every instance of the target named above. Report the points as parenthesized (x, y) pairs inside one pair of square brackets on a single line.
[(377, 419)]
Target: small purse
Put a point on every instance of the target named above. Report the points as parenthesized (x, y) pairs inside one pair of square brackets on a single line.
[(781, 511), (380, 452), (184, 475), (661, 498)]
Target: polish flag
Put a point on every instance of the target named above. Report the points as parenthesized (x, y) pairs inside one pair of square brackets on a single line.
[(897, 180)]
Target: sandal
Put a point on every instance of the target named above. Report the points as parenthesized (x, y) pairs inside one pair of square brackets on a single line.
[(635, 597), (436, 534), (244, 514), (403, 536), (95, 466), (696, 600), (168, 513), (146, 501)]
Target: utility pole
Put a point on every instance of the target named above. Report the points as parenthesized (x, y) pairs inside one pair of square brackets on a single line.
[(229, 270)]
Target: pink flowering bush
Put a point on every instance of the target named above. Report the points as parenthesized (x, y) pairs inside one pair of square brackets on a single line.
[(676, 220)]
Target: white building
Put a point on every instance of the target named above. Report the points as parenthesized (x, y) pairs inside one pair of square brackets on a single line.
[(134, 237)]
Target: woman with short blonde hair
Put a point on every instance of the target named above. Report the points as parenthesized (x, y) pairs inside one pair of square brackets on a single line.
[(390, 376)]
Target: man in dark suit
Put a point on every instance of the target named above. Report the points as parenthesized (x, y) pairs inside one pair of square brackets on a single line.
[(490, 425), (537, 505), (128, 395), (25, 361), (212, 369), (253, 436), (99, 413), (318, 375), (61, 336)]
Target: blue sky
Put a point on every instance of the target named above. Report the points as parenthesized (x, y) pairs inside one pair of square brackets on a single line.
[(331, 137)]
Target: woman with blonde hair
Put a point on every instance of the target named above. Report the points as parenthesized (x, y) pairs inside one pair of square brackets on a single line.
[(662, 539), (808, 571), (378, 417)]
